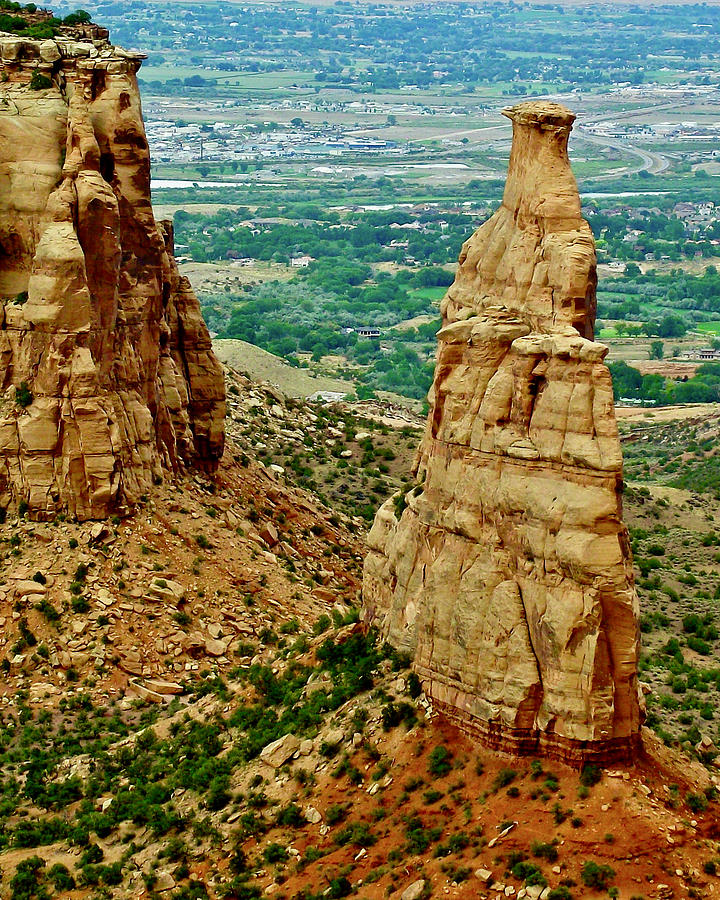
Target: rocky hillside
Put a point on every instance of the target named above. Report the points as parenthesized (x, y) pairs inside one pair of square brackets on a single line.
[(204, 566), (190, 710)]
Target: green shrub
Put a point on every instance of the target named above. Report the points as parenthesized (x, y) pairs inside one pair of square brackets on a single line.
[(697, 802), (291, 627), (560, 893), (356, 833), (38, 833), (40, 82), (339, 887), (61, 877), (503, 778), (590, 775), (25, 883), (529, 873), (275, 853), (456, 843), (48, 610), (335, 814), (23, 394), (414, 687), (322, 624), (399, 504), (80, 604), (545, 851), (91, 854), (291, 816), (79, 17), (439, 761), (395, 713), (418, 837), (218, 795), (559, 814), (597, 875)]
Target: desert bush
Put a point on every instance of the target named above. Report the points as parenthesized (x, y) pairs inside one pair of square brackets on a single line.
[(439, 761), (503, 778), (597, 875)]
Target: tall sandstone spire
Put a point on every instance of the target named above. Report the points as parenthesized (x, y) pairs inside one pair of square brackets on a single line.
[(106, 366), (508, 575)]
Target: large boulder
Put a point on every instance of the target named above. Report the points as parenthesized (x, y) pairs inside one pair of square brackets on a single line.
[(280, 751)]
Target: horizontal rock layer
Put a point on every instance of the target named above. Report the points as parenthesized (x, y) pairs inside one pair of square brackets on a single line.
[(508, 575), (105, 363)]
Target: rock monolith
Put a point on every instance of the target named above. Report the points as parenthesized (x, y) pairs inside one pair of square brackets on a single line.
[(107, 374), (506, 572)]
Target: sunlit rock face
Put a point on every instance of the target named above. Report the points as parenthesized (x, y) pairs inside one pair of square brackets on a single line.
[(508, 575), (106, 367)]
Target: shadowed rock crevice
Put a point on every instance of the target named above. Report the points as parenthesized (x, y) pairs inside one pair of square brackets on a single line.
[(508, 576), (120, 382)]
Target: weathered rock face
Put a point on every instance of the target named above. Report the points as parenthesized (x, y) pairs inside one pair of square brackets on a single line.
[(508, 576), (101, 337)]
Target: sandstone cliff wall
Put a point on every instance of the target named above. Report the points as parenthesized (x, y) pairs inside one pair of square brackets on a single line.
[(508, 576), (106, 368)]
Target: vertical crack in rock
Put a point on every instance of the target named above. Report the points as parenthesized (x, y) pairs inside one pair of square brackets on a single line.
[(120, 379), (508, 575)]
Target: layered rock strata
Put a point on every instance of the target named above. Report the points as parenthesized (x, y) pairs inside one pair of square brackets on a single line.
[(508, 574), (106, 366)]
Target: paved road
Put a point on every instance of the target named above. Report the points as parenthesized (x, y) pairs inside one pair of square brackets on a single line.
[(650, 160)]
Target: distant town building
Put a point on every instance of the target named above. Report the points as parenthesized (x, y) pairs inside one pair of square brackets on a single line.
[(327, 396), (684, 210), (701, 353), (301, 262), (238, 260)]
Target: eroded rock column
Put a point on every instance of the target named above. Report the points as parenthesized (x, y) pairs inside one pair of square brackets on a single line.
[(508, 575), (107, 377)]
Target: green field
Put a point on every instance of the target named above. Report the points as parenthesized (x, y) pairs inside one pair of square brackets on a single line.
[(429, 293), (708, 327), (605, 333)]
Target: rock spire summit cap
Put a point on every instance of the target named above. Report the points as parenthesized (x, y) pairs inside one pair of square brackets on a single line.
[(543, 113)]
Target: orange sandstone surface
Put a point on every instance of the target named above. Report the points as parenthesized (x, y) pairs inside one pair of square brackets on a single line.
[(508, 574), (106, 366)]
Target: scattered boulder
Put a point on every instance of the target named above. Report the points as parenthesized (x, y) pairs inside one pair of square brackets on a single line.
[(24, 588), (163, 687), (312, 815), (214, 647), (164, 881), (146, 693), (280, 751), (164, 589), (269, 534), (415, 891)]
